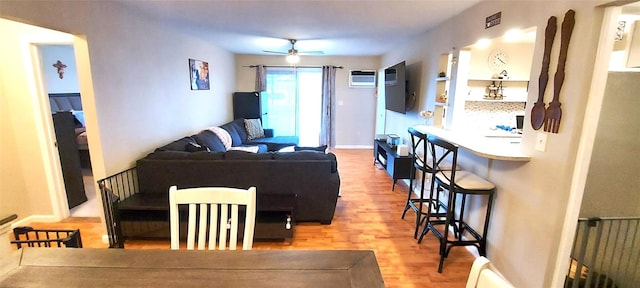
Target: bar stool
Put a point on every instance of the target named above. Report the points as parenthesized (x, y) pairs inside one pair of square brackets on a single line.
[(421, 163), (458, 184)]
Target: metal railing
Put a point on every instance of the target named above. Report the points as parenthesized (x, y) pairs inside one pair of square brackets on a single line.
[(605, 253), (114, 189)]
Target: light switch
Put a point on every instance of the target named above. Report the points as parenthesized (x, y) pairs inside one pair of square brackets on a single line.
[(541, 142)]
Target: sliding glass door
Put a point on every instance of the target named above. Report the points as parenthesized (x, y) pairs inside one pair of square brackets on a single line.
[(292, 102)]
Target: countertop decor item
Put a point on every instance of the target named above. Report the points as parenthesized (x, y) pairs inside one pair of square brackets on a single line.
[(538, 111), (426, 115), (553, 114)]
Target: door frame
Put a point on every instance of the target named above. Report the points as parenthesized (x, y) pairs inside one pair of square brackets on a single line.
[(587, 138)]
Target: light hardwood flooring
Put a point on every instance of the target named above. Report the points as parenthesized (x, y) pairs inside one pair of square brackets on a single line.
[(367, 217)]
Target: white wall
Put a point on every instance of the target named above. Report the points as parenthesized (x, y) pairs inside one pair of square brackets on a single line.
[(532, 197), (64, 53), (134, 80), (614, 169), (356, 106), (21, 152)]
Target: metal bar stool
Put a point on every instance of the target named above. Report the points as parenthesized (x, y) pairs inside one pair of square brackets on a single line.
[(458, 184), (421, 163)]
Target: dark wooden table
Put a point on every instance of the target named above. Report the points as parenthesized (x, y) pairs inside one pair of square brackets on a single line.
[(60, 267)]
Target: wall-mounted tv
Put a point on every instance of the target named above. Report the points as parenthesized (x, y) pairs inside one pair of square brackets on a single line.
[(395, 87)]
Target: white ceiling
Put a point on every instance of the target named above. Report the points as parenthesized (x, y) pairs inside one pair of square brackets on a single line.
[(336, 27)]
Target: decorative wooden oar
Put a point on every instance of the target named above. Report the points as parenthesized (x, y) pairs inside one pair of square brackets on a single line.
[(554, 113), (537, 112)]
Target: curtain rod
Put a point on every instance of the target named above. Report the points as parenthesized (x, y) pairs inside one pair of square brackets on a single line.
[(289, 66)]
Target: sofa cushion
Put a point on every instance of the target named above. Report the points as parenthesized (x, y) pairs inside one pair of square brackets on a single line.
[(223, 135), (322, 148), (178, 145), (238, 124), (308, 155), (243, 155), (235, 137), (202, 155), (254, 129), (274, 143), (168, 154), (210, 140)]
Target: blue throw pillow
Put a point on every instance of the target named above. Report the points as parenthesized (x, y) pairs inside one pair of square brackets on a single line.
[(210, 140)]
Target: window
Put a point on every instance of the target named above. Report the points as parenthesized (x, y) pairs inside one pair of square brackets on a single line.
[(292, 102)]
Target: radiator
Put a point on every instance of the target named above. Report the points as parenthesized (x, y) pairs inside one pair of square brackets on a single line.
[(605, 253)]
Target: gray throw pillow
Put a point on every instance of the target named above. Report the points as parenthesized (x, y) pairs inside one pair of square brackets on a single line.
[(254, 129)]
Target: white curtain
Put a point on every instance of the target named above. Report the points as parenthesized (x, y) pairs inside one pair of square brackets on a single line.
[(327, 124)]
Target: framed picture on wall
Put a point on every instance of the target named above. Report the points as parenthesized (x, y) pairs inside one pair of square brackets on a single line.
[(199, 74)]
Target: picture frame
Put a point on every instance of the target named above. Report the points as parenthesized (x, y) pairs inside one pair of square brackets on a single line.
[(199, 74)]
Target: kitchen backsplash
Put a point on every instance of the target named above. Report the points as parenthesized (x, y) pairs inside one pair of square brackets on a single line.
[(481, 115)]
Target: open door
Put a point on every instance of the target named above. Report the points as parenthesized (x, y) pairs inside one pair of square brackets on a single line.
[(69, 158)]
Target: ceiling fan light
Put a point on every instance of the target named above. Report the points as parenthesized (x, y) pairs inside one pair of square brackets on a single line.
[(293, 58)]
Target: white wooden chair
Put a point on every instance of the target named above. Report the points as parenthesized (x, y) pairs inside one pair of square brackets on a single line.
[(213, 203), (482, 275)]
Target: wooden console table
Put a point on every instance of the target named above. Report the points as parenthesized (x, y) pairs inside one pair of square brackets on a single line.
[(85, 267), (398, 167)]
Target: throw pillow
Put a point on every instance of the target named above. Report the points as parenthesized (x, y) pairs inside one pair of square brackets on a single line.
[(224, 136), (254, 129), (322, 148), (210, 140), (195, 147)]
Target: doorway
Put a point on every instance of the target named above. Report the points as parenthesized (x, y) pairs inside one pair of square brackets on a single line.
[(59, 72)]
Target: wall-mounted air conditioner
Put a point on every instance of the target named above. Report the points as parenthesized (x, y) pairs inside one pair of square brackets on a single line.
[(362, 78)]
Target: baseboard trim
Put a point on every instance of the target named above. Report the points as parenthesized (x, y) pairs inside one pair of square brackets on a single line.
[(34, 218), (354, 147)]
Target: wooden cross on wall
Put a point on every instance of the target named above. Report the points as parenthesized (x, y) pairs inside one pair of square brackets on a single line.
[(60, 68)]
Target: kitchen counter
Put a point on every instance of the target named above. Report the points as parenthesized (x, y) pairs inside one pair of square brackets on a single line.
[(498, 148)]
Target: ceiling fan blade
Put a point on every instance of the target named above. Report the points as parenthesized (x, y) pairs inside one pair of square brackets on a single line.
[(275, 52), (310, 53)]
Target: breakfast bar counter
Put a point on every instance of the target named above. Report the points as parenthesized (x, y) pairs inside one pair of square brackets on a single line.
[(85, 267), (497, 148)]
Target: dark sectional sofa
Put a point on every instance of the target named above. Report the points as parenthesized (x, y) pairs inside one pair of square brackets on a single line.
[(312, 176), (208, 140)]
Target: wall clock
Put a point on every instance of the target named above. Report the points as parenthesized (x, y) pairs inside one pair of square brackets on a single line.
[(498, 60)]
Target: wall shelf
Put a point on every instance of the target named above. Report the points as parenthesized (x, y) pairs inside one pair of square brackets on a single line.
[(503, 80)]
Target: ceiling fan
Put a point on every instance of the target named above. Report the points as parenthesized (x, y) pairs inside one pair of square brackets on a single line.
[(292, 54)]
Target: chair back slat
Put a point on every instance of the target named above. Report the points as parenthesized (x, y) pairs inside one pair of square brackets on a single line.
[(202, 227), (443, 153), (213, 229), (212, 205)]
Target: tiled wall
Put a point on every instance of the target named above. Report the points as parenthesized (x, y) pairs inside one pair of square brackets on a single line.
[(487, 114)]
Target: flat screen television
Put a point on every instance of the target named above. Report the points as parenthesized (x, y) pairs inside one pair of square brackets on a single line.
[(395, 87)]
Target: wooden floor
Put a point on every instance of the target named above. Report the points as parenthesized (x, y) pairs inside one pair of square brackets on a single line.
[(367, 217)]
